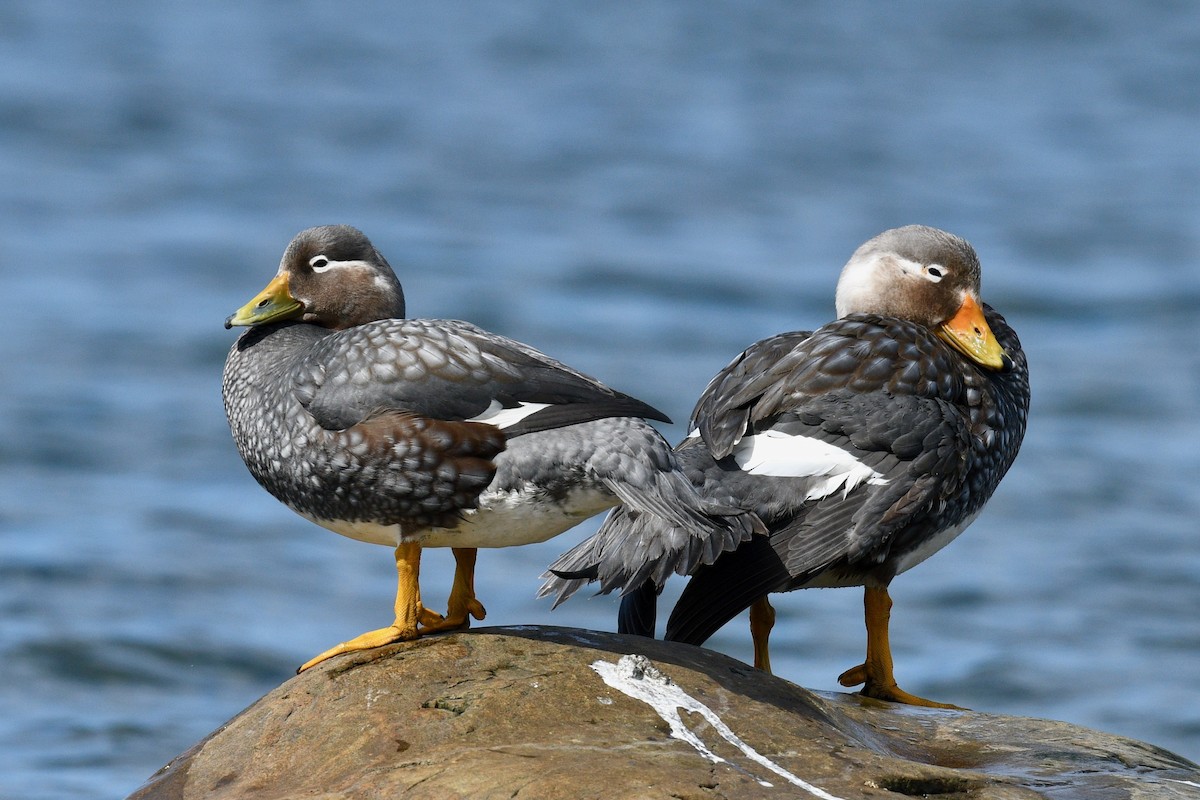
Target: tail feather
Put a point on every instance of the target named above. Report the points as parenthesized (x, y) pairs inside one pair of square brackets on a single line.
[(718, 593), (572, 570), (639, 611), (635, 547), (674, 529), (663, 524)]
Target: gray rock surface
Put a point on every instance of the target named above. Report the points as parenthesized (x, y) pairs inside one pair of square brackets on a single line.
[(547, 713)]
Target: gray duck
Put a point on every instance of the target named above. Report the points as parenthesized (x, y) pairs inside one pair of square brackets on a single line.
[(415, 433)]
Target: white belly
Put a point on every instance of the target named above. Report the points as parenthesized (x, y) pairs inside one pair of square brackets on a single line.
[(933, 544), (503, 519), (370, 532), (507, 519)]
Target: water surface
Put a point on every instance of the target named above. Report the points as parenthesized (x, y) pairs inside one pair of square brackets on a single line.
[(640, 191)]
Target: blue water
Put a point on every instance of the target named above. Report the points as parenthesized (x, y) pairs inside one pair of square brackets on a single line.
[(640, 191)]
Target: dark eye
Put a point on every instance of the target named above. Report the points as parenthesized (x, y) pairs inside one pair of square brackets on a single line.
[(935, 272), (318, 263)]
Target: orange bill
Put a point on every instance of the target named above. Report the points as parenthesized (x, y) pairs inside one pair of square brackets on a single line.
[(968, 333)]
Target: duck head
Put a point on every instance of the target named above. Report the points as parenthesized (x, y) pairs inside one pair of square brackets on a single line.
[(927, 276), (330, 276)]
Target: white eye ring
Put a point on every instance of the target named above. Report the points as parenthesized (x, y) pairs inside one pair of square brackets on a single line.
[(320, 263), (933, 272)]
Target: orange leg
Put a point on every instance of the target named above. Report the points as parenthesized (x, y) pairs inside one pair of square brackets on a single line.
[(762, 620), (876, 672), (462, 604), (409, 611)]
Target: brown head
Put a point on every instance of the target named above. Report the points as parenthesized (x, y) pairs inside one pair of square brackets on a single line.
[(330, 276)]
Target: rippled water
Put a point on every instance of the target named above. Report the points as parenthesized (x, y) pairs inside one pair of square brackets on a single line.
[(640, 191)]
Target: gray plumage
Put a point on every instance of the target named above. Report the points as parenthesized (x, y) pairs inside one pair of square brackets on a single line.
[(377, 426)]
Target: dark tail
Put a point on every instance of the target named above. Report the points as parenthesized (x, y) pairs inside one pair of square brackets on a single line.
[(639, 611), (718, 593)]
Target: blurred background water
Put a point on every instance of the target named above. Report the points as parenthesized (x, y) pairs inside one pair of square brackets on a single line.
[(640, 190)]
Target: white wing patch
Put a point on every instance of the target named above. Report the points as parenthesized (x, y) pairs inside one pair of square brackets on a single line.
[(501, 417), (782, 455)]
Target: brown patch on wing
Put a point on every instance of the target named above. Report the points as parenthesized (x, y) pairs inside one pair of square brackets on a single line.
[(442, 465)]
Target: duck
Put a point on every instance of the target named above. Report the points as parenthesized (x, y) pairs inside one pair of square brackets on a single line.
[(418, 433), (864, 446)]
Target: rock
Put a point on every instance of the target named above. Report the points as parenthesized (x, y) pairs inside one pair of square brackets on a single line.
[(546, 713)]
